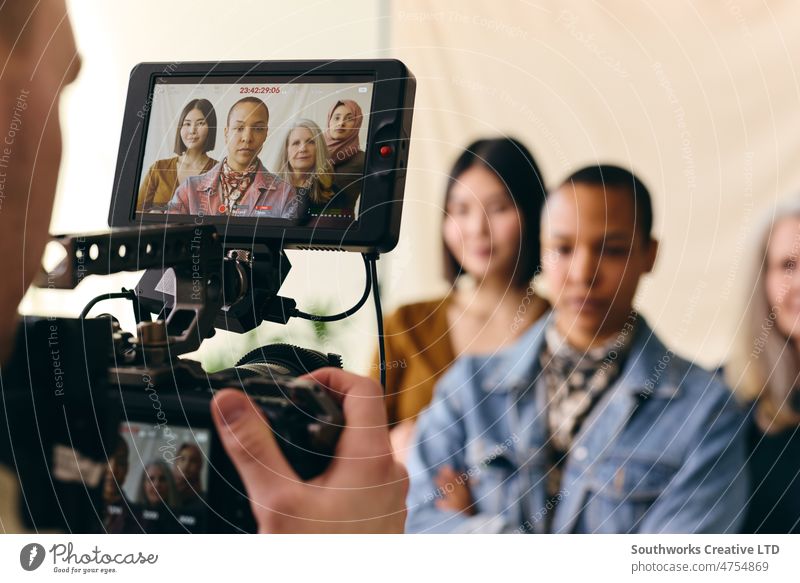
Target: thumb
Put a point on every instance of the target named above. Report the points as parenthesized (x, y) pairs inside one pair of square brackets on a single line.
[(249, 442)]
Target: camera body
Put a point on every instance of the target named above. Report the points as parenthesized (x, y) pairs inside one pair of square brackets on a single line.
[(101, 415), (64, 436)]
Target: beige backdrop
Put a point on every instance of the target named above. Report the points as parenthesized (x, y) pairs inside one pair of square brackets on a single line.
[(701, 98)]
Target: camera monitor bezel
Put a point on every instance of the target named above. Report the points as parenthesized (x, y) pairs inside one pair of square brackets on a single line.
[(377, 227)]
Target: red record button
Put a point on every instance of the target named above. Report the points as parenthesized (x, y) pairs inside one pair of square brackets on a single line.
[(386, 151)]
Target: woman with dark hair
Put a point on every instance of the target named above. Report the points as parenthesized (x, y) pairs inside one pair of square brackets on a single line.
[(764, 372), (195, 135), (344, 149), (490, 232), (121, 516)]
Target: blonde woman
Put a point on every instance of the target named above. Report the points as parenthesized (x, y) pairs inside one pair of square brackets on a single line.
[(157, 498), (764, 370), (304, 164)]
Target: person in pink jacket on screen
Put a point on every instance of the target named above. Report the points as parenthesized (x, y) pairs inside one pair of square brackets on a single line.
[(240, 185)]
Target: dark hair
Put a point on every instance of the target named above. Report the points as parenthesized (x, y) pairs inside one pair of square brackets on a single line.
[(515, 167), (248, 99), (610, 176), (204, 105), (120, 448)]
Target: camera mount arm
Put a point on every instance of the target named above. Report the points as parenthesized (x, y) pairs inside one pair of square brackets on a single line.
[(187, 260), (193, 282)]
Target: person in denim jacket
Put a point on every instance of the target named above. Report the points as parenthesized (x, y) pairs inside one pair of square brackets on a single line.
[(588, 423), (240, 185)]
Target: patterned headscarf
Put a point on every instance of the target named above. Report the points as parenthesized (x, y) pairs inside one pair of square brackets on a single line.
[(575, 381), (235, 184)]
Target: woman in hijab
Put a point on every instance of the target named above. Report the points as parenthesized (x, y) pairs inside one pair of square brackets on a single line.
[(345, 153)]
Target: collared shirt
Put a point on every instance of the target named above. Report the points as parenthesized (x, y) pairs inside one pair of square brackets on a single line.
[(268, 196), (662, 451), (574, 381)]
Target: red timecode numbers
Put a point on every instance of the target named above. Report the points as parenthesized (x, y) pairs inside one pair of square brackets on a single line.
[(259, 89)]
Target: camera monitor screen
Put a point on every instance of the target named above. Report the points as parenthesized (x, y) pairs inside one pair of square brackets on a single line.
[(293, 152), (157, 480), (310, 153)]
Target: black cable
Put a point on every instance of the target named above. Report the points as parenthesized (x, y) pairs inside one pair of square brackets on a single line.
[(127, 294), (346, 313), (371, 269), (138, 315), (376, 295)]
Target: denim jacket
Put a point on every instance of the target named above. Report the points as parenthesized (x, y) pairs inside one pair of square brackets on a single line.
[(267, 197), (662, 450)]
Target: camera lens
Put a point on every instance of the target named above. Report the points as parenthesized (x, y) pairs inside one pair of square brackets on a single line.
[(286, 359)]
